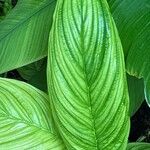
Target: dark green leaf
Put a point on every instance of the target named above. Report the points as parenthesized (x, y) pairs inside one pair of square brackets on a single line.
[(24, 33), (136, 93), (39, 80), (35, 74), (28, 71), (133, 22)]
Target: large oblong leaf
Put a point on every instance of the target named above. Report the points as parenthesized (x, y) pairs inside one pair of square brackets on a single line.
[(138, 146), (86, 76), (24, 33), (25, 118)]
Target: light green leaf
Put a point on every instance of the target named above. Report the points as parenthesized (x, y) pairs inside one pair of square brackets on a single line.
[(138, 146), (86, 76), (25, 118), (136, 93), (24, 33), (133, 22)]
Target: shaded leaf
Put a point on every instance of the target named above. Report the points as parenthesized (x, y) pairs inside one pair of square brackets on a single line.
[(35, 74), (39, 80), (136, 93), (5, 7), (86, 76), (24, 33), (30, 70), (25, 118)]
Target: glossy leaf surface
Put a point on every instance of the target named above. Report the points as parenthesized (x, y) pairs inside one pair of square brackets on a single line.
[(25, 118), (86, 76)]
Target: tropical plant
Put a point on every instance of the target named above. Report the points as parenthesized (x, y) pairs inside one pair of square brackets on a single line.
[(84, 71)]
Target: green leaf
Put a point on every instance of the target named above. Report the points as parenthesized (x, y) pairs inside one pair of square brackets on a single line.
[(133, 22), (25, 118), (39, 80), (28, 71), (138, 146), (35, 74), (136, 93), (24, 33), (5, 7), (86, 76)]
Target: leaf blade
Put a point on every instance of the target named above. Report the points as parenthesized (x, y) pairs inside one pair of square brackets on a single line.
[(24, 33), (25, 118), (81, 55)]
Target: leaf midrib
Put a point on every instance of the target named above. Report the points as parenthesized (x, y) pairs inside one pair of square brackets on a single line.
[(31, 124), (86, 78)]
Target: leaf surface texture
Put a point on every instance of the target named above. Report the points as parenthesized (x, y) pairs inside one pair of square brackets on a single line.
[(25, 118), (24, 33), (86, 76)]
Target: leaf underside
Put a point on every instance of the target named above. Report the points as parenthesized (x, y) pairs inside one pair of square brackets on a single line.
[(25, 118), (86, 77), (24, 33)]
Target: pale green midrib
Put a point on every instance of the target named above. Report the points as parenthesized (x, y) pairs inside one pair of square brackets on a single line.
[(25, 20), (30, 124), (85, 75)]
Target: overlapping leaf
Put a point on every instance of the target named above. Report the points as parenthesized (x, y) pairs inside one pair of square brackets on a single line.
[(136, 93), (25, 118), (5, 7), (30, 70), (86, 76), (39, 80), (24, 33), (133, 22), (138, 146), (35, 74)]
